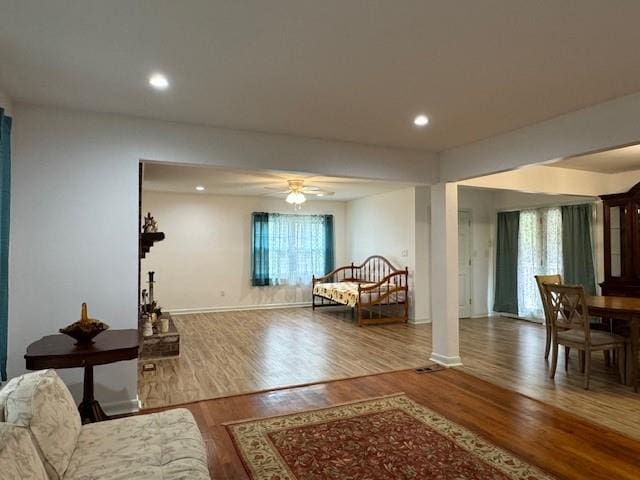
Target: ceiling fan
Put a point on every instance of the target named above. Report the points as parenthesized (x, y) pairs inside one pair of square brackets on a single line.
[(297, 190)]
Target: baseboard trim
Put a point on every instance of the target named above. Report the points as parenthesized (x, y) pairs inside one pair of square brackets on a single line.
[(122, 408), (539, 321), (237, 308), (419, 321), (446, 361)]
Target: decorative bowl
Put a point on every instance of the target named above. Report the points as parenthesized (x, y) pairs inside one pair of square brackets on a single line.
[(84, 330)]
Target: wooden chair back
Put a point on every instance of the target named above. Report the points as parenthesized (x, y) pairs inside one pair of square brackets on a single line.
[(568, 309), (555, 279)]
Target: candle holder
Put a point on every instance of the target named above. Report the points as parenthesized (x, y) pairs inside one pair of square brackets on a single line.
[(84, 330)]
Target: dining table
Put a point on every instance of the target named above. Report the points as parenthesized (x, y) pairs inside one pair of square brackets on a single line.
[(621, 309)]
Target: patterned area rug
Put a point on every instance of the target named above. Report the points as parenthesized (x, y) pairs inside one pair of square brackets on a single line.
[(390, 437)]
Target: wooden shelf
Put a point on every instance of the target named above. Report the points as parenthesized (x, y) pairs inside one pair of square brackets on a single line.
[(147, 239)]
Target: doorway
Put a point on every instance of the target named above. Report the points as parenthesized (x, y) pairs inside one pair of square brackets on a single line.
[(464, 264)]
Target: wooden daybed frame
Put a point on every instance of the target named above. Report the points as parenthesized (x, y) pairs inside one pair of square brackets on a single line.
[(382, 294)]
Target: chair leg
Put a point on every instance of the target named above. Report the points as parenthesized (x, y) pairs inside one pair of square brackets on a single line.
[(581, 355), (587, 369), (547, 347), (554, 360), (567, 350), (607, 357)]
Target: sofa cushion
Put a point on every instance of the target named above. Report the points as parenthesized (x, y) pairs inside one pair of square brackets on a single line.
[(41, 402), (166, 445), (19, 458)]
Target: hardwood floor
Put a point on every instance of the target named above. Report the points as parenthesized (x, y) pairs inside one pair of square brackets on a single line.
[(230, 353), (555, 440), (241, 352)]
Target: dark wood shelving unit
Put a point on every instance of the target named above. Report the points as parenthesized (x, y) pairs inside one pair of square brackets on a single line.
[(621, 220), (147, 239)]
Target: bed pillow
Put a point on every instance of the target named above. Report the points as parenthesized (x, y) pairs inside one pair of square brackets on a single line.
[(19, 458), (41, 402)]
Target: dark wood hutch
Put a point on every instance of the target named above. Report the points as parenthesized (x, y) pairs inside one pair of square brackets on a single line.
[(621, 221)]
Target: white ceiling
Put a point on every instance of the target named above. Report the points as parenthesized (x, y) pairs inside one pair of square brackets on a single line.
[(217, 181), (355, 70), (620, 160)]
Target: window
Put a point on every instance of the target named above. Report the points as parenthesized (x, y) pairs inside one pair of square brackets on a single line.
[(290, 249), (539, 253), (543, 241)]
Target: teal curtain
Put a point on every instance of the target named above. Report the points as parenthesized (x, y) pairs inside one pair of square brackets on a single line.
[(5, 198), (260, 249), (288, 249), (329, 250), (577, 250), (506, 289)]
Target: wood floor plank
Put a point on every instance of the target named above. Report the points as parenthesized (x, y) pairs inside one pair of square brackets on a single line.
[(557, 441), (237, 352)]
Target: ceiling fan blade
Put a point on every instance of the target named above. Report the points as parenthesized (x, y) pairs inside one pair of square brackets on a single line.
[(320, 193), (277, 189)]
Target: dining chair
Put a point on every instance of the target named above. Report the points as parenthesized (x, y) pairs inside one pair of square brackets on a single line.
[(555, 279), (571, 327)]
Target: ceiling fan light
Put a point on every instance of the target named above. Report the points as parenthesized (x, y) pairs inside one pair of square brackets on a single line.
[(295, 198)]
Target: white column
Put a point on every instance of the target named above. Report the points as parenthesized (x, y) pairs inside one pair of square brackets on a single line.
[(444, 274)]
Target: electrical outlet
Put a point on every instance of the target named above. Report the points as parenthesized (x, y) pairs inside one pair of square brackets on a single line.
[(222, 293), (404, 253)]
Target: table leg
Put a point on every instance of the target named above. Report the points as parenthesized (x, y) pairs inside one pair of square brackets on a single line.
[(90, 410)]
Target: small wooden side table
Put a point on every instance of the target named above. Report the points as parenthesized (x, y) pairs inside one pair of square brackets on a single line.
[(60, 351)]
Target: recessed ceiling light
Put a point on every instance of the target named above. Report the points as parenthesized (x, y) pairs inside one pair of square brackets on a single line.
[(421, 120), (200, 188), (159, 81)]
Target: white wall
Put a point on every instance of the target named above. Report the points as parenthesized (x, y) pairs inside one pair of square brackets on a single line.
[(74, 228), (421, 306), (74, 220), (481, 205), (5, 102), (207, 250), (388, 224), (382, 225)]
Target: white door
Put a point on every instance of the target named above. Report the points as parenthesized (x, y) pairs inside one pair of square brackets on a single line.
[(464, 264)]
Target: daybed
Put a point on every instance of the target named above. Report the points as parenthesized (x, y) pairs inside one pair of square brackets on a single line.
[(376, 290), (41, 438)]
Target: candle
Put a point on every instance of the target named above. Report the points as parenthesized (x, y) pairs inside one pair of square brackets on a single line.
[(84, 315), (164, 325)]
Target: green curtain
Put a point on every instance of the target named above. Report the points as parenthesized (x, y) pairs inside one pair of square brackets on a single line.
[(329, 252), (577, 251), (5, 197), (506, 290), (260, 250)]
